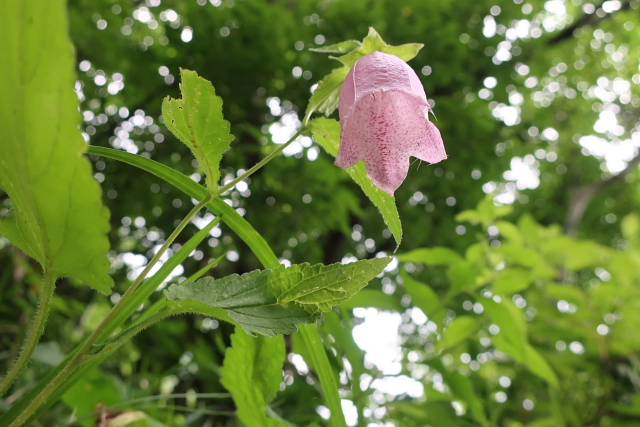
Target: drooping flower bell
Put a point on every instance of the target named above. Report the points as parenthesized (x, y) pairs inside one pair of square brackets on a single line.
[(384, 115)]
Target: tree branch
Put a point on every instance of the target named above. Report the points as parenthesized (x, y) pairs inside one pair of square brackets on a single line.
[(592, 19), (582, 196)]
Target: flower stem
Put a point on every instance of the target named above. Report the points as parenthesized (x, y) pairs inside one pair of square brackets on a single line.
[(262, 162), (35, 330)]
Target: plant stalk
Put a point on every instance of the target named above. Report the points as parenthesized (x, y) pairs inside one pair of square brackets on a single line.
[(35, 331)]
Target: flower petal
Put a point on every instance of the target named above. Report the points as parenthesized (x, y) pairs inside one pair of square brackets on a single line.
[(384, 115), (384, 129)]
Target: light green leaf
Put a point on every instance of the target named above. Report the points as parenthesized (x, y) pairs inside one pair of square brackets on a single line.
[(252, 372), (630, 226), (342, 47), (513, 328), (58, 216), (327, 133), (462, 276), (373, 298), (326, 97), (271, 302), (433, 256), (462, 387), (459, 330), (422, 295), (196, 119), (511, 232), (539, 366), (512, 280)]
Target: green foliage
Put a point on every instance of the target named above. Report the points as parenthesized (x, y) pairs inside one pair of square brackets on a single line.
[(196, 119), (57, 216), (272, 302), (252, 372), (327, 133)]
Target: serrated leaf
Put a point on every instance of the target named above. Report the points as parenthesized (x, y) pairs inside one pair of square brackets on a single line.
[(246, 299), (327, 133), (58, 216), (326, 96), (318, 288), (196, 119), (252, 372), (271, 302)]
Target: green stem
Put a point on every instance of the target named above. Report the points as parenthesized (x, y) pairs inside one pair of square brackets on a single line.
[(35, 331), (320, 362), (262, 162), (98, 333)]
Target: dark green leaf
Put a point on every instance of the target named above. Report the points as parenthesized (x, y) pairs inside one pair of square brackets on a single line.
[(271, 302)]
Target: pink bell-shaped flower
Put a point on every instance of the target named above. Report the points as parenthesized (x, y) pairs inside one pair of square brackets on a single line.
[(384, 115)]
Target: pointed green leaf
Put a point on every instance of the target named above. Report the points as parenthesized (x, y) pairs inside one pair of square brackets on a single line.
[(459, 330), (327, 133), (271, 302), (422, 295), (539, 366), (433, 256), (512, 280), (327, 95), (342, 47), (252, 372), (196, 119), (246, 299), (319, 287), (58, 216)]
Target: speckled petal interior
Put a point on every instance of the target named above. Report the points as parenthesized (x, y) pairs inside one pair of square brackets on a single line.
[(384, 129)]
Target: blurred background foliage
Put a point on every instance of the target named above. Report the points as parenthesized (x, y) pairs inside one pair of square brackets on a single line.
[(538, 104)]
